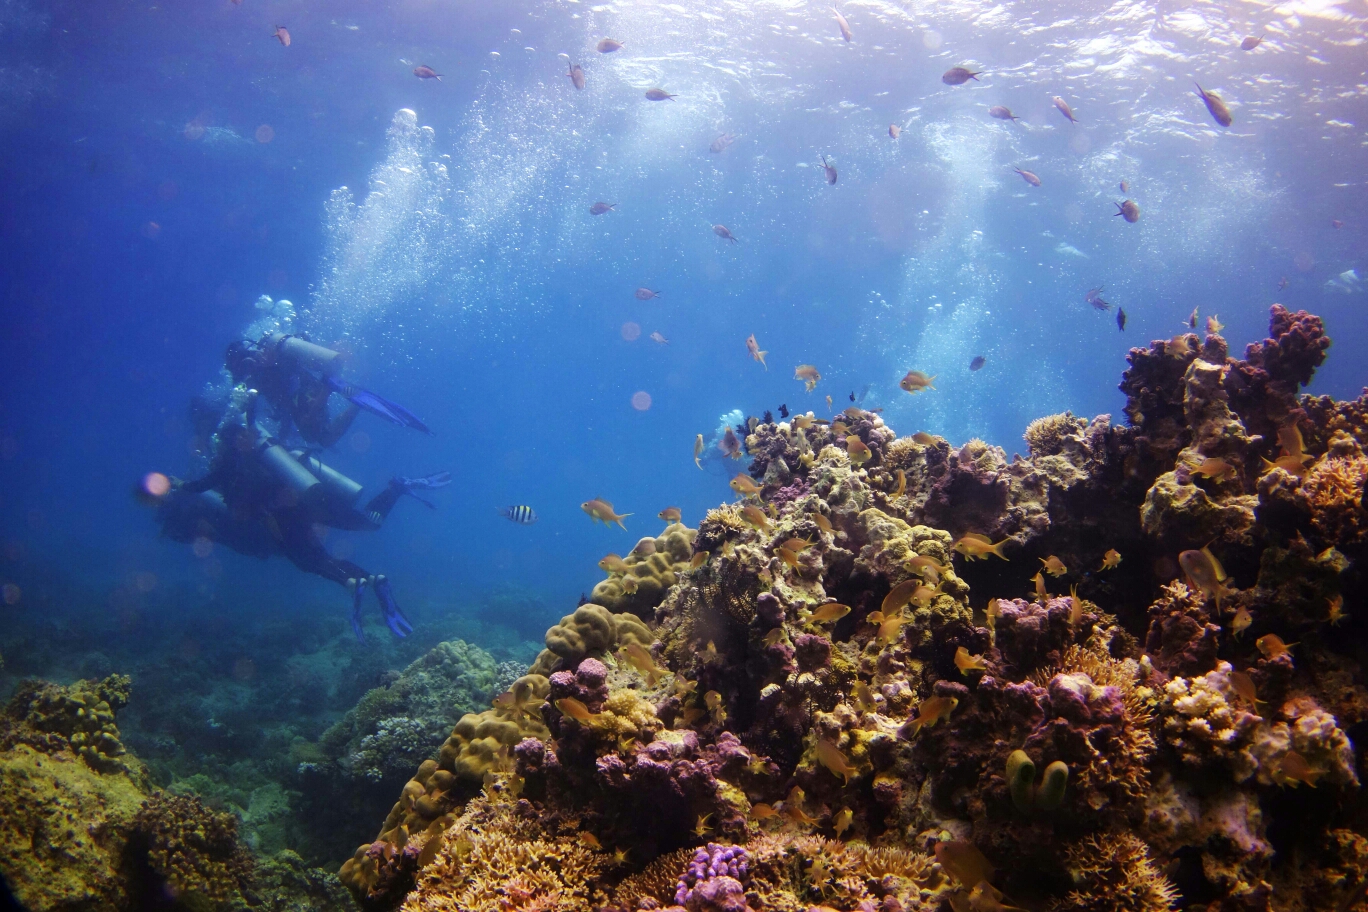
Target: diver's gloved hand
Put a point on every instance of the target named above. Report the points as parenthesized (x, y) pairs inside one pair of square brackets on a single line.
[(357, 587), (398, 624)]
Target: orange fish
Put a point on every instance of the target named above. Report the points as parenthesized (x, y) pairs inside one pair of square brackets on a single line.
[(797, 545), (1204, 572), (724, 233), (762, 811), (754, 348), (1214, 326), (831, 611), (576, 710), (1272, 646), (864, 697), (823, 523), (1180, 346), (1336, 603), (614, 564), (636, 655), (670, 514), (1241, 621), (1075, 607), (992, 612), (803, 422), (1292, 465), (1290, 439), (963, 861), (841, 822), (793, 807), (967, 663), (774, 637), (859, 453), (899, 596), (698, 560), (923, 438), (902, 485), (830, 756), (808, 374), (929, 712), (730, 445), (1110, 559), (600, 510), (283, 34), (927, 568), (1041, 593), (698, 450), (743, 484), (890, 627), (1211, 467), (1054, 566), (915, 381), (1294, 769), (977, 547), (755, 517), (1244, 686)]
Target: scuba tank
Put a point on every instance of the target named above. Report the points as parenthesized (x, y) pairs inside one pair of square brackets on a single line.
[(314, 357), (339, 487)]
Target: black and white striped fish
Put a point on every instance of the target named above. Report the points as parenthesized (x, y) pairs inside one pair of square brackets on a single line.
[(522, 515)]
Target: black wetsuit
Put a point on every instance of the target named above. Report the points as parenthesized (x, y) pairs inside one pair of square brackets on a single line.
[(299, 397)]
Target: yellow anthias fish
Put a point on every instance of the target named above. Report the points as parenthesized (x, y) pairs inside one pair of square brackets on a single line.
[(830, 756), (899, 596), (1290, 439), (967, 663), (1041, 593), (1075, 607), (636, 655), (774, 637), (1214, 468), (1110, 559), (864, 697), (576, 710), (808, 374), (915, 381), (1294, 769), (1244, 686), (923, 439), (1272, 646), (698, 450), (977, 547), (613, 563), (788, 557), (797, 545), (1054, 566), (670, 514), (1241, 621), (1337, 614), (745, 485), (762, 812), (600, 510), (923, 594), (1214, 325), (629, 584), (793, 807), (929, 712), (803, 422), (1292, 465), (859, 453), (841, 822), (902, 485), (755, 517), (754, 348), (927, 568), (699, 559), (1205, 573), (826, 614), (823, 523)]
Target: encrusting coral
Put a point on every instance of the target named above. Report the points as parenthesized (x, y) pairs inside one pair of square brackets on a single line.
[(830, 705)]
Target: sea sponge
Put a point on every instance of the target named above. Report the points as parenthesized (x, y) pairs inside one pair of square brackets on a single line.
[(653, 566), (1201, 722), (193, 850), (1112, 872), (1334, 489), (793, 873), (591, 631), (1311, 732)]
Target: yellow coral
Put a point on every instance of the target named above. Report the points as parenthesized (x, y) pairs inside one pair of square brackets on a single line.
[(1334, 489), (591, 631), (1052, 435), (653, 565), (1112, 872)]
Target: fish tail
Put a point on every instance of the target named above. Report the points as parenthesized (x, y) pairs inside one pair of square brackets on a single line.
[(621, 518), (997, 549)]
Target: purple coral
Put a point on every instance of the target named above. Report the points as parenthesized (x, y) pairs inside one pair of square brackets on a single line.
[(813, 652), (715, 880), (790, 492)]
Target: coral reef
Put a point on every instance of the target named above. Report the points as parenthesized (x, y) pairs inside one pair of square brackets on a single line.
[(650, 570), (192, 850), (827, 704)]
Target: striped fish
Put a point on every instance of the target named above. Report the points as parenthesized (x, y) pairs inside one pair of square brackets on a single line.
[(522, 515)]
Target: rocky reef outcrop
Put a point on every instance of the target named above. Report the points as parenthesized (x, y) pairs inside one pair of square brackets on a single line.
[(1116, 673)]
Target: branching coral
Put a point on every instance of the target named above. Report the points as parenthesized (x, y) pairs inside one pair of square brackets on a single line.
[(1112, 872)]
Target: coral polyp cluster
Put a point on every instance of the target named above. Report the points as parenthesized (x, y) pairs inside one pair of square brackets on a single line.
[(907, 675)]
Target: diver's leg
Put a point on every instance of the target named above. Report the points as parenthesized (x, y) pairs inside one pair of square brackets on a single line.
[(331, 430), (375, 512)]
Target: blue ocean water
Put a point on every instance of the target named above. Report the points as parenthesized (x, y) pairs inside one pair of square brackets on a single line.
[(166, 165)]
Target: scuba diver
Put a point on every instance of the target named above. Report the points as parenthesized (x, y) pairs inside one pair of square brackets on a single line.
[(297, 378), (260, 499)]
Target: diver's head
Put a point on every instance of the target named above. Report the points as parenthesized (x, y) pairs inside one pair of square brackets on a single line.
[(242, 359)]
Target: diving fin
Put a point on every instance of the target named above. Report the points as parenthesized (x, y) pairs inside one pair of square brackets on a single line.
[(398, 624), (357, 587), (390, 411)]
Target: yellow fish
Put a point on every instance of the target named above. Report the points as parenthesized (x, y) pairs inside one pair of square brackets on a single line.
[(977, 547), (797, 545), (774, 636), (743, 484), (1212, 467), (576, 710), (902, 485), (670, 514), (842, 820), (923, 438), (614, 564), (698, 560), (864, 697), (1110, 559), (859, 453), (602, 511), (636, 655), (1336, 603), (1292, 465), (1244, 686), (1241, 621), (823, 523), (967, 663), (629, 584), (923, 594), (793, 807), (1272, 646), (830, 756), (1075, 607), (808, 374), (1040, 593), (915, 381), (788, 557), (762, 811), (929, 712), (1054, 566), (698, 450), (831, 611), (713, 700), (1290, 439), (755, 517), (890, 627), (1214, 325), (1294, 769), (1204, 572), (927, 568), (839, 428), (803, 422), (899, 596)]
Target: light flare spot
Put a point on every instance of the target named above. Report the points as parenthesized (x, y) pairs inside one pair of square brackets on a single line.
[(265, 133), (631, 331), (11, 593), (156, 484), (641, 400)]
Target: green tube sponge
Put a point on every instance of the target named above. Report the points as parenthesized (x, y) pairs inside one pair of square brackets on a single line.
[(1021, 780), (1051, 791)]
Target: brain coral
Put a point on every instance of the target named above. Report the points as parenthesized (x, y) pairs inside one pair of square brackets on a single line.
[(652, 566), (591, 631)]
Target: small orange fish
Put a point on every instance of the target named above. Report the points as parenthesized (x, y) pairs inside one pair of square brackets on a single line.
[(929, 712), (576, 710), (1214, 326), (1244, 686), (839, 429), (923, 594), (859, 453), (902, 485), (1292, 465), (1294, 769), (992, 612), (745, 485), (1054, 566), (1181, 345), (823, 523), (587, 838), (600, 510), (977, 547), (927, 568), (754, 348), (828, 400), (1215, 468), (899, 596), (698, 450), (788, 557), (967, 663), (793, 807), (763, 812), (698, 560), (1075, 607), (1336, 603), (755, 517), (964, 862), (1110, 559), (1041, 593), (841, 822), (1241, 621), (773, 637), (659, 95), (830, 756), (670, 514), (636, 655), (890, 627), (808, 374), (629, 584), (613, 563), (797, 545), (803, 422), (424, 71), (864, 697), (831, 611), (923, 439), (282, 34), (915, 381), (1204, 572), (1272, 646), (1290, 439)]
